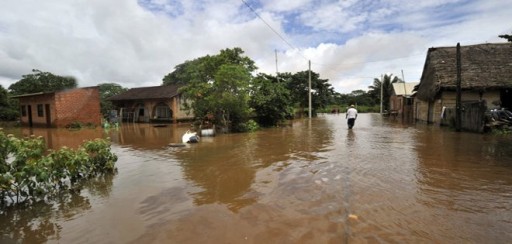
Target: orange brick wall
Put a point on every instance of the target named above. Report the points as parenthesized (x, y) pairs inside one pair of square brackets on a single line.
[(66, 107), (77, 105)]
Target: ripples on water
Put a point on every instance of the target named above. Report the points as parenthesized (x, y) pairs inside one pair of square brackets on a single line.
[(312, 182)]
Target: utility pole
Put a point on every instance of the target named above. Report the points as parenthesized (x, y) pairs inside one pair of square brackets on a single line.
[(458, 105), (403, 79), (404, 99), (309, 89), (381, 92), (277, 72)]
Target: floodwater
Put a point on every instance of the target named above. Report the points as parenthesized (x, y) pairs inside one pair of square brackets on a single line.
[(312, 182)]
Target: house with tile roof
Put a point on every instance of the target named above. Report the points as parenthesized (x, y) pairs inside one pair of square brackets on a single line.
[(151, 104)]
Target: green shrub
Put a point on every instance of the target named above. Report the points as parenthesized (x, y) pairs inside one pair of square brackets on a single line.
[(28, 172), (248, 126)]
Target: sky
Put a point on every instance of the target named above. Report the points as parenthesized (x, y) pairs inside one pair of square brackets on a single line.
[(135, 43)]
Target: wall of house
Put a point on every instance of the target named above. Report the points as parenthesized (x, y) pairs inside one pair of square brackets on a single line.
[(180, 112), (395, 103), (149, 109), (77, 105), (449, 99), (38, 119), (420, 110)]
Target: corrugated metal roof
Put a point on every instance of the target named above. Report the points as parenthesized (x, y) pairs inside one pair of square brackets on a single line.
[(402, 89)]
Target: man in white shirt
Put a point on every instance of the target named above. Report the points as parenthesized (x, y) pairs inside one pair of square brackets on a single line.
[(351, 116)]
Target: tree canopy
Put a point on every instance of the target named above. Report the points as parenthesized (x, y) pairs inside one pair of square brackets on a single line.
[(507, 37), (107, 90), (41, 81), (298, 85), (8, 110), (217, 85), (271, 100), (204, 68), (386, 85)]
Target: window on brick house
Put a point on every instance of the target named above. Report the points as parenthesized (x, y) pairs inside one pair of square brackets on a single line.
[(40, 110), (23, 110)]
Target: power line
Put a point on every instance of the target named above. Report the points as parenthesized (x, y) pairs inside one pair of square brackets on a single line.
[(329, 66), (273, 30)]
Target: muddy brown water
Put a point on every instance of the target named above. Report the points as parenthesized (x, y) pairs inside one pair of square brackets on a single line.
[(312, 182)]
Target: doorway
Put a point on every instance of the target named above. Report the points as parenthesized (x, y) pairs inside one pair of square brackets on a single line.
[(48, 115), (29, 110), (506, 98)]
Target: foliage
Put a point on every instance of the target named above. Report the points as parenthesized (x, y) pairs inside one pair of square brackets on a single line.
[(343, 109), (271, 100), (77, 125), (8, 107), (203, 69), (108, 90), (28, 174), (248, 126), (298, 85), (217, 85), (386, 85), (42, 82), (507, 37)]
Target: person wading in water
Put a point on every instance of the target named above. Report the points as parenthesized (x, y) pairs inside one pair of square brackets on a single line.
[(351, 116)]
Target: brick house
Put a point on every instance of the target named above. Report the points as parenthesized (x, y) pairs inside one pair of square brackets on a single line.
[(61, 108), (151, 104)]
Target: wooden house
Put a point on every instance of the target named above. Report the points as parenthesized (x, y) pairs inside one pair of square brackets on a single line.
[(61, 108), (401, 99), (486, 78), (151, 104)]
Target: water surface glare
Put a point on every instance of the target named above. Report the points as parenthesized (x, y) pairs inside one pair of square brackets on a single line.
[(312, 182)]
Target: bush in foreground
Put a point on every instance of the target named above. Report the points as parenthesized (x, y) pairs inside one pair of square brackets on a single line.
[(28, 172)]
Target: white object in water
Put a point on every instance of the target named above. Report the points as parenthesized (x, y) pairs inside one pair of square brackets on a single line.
[(190, 137)]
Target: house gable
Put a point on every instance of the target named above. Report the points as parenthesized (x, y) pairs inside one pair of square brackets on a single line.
[(61, 108), (483, 67)]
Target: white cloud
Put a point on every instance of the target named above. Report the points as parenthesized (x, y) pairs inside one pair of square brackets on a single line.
[(136, 43)]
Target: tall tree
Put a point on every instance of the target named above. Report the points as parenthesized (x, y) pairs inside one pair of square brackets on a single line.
[(507, 37), (8, 109), (271, 100), (217, 85), (41, 81), (298, 84), (203, 69), (386, 85), (107, 90)]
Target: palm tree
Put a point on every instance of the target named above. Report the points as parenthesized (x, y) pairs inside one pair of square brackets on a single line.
[(386, 86)]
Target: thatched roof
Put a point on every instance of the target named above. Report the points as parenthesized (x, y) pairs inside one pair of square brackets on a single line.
[(483, 66), (152, 92)]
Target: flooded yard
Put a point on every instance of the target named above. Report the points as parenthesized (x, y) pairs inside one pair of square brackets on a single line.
[(312, 182)]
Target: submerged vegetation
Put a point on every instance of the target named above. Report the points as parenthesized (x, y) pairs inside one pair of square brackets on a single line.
[(30, 173)]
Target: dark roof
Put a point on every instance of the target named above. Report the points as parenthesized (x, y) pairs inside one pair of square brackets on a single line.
[(152, 92), (483, 66)]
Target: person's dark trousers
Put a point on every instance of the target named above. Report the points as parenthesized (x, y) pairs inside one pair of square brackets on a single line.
[(350, 123)]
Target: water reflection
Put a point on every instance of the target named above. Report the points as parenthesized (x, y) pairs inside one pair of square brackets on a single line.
[(314, 181), (147, 136), (40, 222), (464, 175), (56, 138)]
